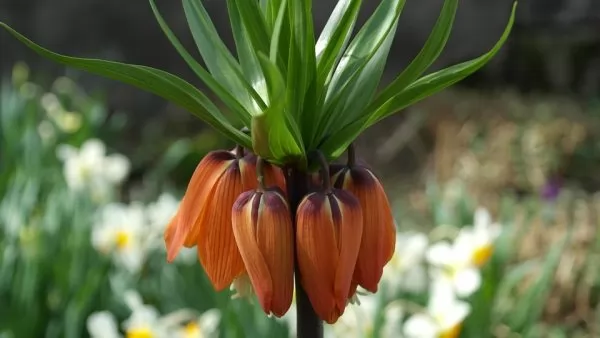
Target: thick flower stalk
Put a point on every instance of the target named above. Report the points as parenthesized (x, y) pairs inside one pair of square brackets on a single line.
[(296, 94)]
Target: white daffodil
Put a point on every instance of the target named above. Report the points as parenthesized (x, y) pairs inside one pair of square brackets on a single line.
[(473, 246), (452, 264), (89, 168), (357, 320), (121, 233), (102, 325), (406, 270), (443, 317), (481, 236), (144, 321), (205, 326)]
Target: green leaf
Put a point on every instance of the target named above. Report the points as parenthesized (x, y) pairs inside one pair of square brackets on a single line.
[(350, 73), (301, 60), (205, 76), (156, 81), (219, 61), (430, 52), (245, 51), (275, 135), (277, 31), (335, 37), (255, 24), (335, 145)]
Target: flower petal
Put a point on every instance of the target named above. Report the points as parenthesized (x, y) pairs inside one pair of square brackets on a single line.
[(378, 235), (196, 198), (467, 281), (274, 234), (217, 249), (244, 221), (347, 217), (317, 255), (420, 326)]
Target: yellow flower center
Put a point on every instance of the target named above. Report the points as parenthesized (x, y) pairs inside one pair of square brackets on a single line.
[(140, 332), (192, 330), (452, 332), (122, 239), (482, 255)]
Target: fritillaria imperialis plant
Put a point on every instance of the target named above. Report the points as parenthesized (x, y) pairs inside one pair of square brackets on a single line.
[(273, 207)]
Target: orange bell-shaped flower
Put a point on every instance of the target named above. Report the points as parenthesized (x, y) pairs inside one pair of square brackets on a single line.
[(204, 216), (328, 236), (379, 231), (264, 234)]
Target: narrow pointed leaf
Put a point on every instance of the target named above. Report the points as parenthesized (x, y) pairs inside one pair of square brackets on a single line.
[(223, 94), (245, 51), (371, 37), (335, 37), (275, 135), (335, 145), (276, 37), (365, 44), (219, 61), (255, 24), (301, 60), (156, 81), (430, 52)]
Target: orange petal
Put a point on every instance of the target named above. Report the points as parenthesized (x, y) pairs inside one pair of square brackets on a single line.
[(244, 221), (274, 177), (248, 171), (378, 237), (195, 199), (274, 234), (317, 254), (217, 249), (347, 217)]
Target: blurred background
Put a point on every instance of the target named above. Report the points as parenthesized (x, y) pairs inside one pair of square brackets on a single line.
[(521, 138)]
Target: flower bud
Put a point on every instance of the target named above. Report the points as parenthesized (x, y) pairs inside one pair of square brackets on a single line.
[(379, 231), (328, 235), (263, 232)]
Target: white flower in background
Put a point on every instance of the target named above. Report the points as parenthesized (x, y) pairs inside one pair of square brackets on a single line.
[(162, 211), (481, 236), (89, 168), (102, 325), (205, 326), (406, 270), (443, 317), (121, 231), (144, 320), (357, 321), (452, 264), (458, 263), (392, 325)]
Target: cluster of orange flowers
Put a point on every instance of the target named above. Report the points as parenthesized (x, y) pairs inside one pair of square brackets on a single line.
[(344, 232)]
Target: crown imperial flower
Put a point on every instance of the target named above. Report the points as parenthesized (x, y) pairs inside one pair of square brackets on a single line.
[(263, 232)]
